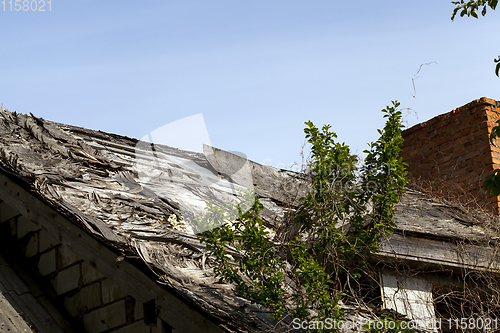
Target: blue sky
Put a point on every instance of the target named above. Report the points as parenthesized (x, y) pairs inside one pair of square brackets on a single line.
[(256, 70)]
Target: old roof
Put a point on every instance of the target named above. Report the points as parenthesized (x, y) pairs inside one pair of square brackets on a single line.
[(97, 180), (94, 179)]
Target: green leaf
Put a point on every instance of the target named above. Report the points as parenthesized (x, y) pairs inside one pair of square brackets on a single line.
[(321, 254), (492, 183)]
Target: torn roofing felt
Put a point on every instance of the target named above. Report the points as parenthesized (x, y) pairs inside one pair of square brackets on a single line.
[(94, 178)]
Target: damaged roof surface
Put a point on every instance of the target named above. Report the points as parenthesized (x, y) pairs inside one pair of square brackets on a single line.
[(421, 215), (113, 187), (97, 180)]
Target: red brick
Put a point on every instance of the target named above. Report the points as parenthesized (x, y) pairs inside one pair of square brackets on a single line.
[(491, 122), (431, 153), (486, 168), (464, 138), (483, 124), (474, 187), (426, 166), (473, 179), (481, 147), (419, 144), (433, 138), (423, 149), (458, 153), (471, 155), (459, 172), (495, 149), (414, 158), (406, 150), (422, 136), (465, 131), (485, 100), (463, 178), (475, 192), (481, 160), (447, 152), (448, 166), (468, 118), (409, 131), (449, 144), (462, 126), (491, 113), (443, 159), (454, 147), (492, 119)]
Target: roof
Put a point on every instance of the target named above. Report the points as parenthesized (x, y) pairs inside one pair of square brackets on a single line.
[(434, 232), (420, 214), (94, 179)]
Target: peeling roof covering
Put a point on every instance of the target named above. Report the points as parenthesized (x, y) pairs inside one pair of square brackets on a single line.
[(427, 217), (97, 180)]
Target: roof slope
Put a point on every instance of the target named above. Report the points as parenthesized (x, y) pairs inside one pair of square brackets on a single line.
[(424, 216), (97, 180)]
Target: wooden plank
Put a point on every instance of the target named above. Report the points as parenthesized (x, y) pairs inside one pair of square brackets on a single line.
[(6, 212), (11, 320), (140, 286), (440, 252), (411, 296)]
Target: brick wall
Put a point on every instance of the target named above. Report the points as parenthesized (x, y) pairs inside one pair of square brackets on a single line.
[(453, 151), (94, 301)]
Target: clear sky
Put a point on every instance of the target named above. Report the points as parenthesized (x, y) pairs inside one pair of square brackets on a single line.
[(255, 69)]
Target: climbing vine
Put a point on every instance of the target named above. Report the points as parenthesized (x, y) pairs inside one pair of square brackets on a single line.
[(309, 274)]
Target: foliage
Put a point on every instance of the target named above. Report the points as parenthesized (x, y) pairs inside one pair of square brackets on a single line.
[(492, 183), (308, 274), (245, 241), (471, 7)]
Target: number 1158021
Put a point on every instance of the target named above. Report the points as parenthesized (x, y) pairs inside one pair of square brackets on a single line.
[(26, 5)]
